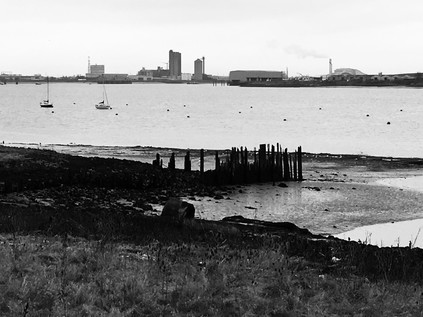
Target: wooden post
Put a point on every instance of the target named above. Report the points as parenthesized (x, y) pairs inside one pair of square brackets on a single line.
[(171, 164), (290, 166), (217, 161), (285, 165), (262, 161), (300, 164), (156, 162), (295, 166), (246, 167), (187, 162), (201, 161), (277, 162), (272, 163)]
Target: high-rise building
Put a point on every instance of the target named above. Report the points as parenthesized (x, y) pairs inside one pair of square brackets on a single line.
[(198, 69), (175, 70)]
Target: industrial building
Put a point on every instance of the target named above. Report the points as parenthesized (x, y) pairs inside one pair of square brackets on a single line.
[(175, 70), (237, 77), (198, 69), (95, 71)]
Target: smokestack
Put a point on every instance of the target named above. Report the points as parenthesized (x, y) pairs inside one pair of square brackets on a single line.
[(330, 66), (89, 66), (204, 65)]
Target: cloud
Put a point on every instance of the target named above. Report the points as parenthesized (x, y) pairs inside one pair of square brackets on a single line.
[(302, 52)]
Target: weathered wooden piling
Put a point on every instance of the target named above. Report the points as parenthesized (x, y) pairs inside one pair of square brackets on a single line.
[(295, 166), (157, 162), (171, 164), (187, 162), (217, 161), (201, 161), (300, 164), (285, 165)]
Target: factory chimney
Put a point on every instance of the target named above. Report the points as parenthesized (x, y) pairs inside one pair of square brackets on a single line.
[(330, 66), (89, 66), (204, 65)]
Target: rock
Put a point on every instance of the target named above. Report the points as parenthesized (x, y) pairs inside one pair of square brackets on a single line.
[(283, 185), (178, 209), (125, 202)]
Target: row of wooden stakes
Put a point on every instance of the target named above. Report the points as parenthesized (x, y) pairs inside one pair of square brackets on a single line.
[(269, 163)]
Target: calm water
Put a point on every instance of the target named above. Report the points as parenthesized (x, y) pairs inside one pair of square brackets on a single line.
[(203, 116)]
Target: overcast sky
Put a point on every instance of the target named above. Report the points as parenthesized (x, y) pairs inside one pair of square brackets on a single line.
[(55, 37)]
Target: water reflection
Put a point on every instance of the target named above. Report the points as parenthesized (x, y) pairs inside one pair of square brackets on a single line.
[(298, 203)]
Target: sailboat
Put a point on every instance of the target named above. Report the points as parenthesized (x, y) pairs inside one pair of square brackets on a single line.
[(46, 102), (104, 104)]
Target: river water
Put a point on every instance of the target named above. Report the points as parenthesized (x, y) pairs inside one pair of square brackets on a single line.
[(335, 120)]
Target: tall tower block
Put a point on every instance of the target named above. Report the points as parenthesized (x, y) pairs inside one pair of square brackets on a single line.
[(330, 66)]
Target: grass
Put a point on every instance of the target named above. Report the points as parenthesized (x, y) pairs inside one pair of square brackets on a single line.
[(66, 276)]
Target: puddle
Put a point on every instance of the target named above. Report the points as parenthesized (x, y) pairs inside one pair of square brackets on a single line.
[(389, 234), (402, 233), (406, 183)]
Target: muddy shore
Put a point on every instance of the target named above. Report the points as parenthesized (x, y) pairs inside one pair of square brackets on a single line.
[(53, 193)]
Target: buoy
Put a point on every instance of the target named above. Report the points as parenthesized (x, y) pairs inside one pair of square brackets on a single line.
[(367, 115), (168, 110), (52, 112), (116, 114), (401, 110), (239, 112), (251, 107), (320, 108), (388, 122), (284, 119), (187, 116)]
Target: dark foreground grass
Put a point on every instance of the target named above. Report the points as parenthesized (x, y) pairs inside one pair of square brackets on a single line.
[(67, 276)]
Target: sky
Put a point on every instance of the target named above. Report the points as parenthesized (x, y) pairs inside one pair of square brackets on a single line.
[(55, 37)]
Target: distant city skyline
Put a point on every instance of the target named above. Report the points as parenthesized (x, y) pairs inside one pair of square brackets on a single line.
[(55, 37)]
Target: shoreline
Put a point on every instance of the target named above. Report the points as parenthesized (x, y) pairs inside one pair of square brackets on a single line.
[(340, 192), (120, 201)]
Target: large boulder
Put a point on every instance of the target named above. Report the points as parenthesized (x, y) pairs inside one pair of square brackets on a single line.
[(178, 209)]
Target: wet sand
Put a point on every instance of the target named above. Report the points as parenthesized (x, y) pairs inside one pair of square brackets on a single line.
[(402, 233)]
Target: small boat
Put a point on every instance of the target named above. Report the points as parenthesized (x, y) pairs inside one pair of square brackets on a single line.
[(46, 103), (37, 83), (104, 104)]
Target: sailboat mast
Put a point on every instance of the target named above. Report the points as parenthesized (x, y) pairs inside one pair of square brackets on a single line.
[(105, 93), (48, 91)]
